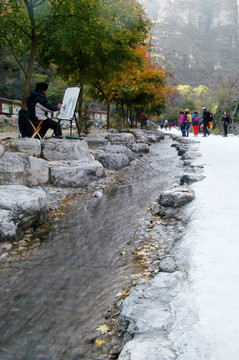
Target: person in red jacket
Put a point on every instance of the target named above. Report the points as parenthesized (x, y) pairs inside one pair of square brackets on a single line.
[(196, 122)]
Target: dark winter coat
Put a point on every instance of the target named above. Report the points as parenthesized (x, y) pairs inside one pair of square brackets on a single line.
[(206, 117), (225, 120), (38, 106)]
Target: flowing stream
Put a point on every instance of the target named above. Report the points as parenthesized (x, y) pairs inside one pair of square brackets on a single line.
[(53, 299)]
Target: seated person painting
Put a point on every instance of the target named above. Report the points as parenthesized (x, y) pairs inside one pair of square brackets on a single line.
[(38, 107)]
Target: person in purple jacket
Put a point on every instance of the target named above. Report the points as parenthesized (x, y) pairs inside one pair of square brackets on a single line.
[(38, 107)]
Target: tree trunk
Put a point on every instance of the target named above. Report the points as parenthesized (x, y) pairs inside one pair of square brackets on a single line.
[(108, 113), (123, 112), (80, 102), (29, 73), (99, 88), (131, 116)]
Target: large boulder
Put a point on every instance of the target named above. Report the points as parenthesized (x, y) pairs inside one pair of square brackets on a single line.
[(66, 149), (176, 197), (31, 147), (14, 169), (113, 161), (151, 126), (75, 173), (21, 169), (121, 139), (68, 177), (147, 136), (20, 207), (140, 136), (120, 149)]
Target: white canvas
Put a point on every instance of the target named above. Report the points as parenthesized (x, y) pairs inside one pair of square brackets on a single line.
[(69, 103)]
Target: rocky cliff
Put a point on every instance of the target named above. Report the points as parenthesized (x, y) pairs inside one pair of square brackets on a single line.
[(198, 39)]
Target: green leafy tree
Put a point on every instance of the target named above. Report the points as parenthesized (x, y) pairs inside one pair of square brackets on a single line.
[(94, 40), (227, 96), (23, 26)]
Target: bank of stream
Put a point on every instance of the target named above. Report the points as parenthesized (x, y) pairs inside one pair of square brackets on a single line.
[(55, 296)]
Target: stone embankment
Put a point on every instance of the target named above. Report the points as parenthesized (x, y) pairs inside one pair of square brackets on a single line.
[(146, 313), (30, 169)]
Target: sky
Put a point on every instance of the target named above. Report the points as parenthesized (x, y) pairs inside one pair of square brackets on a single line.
[(207, 310)]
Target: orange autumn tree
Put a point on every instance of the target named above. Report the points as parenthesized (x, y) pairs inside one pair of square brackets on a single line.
[(140, 83)]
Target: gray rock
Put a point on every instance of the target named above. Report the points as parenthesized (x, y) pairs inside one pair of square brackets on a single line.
[(113, 161), (140, 136), (31, 147), (20, 169), (147, 310), (176, 197), (65, 176), (139, 148), (168, 265), (39, 171), (14, 169), (75, 173), (121, 139), (8, 229), (182, 151), (96, 142), (190, 155), (66, 149), (20, 207), (184, 140), (191, 178), (151, 126), (1, 151), (120, 149), (153, 346), (145, 314)]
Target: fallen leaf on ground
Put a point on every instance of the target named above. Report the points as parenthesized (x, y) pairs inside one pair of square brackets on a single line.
[(103, 328), (99, 342)]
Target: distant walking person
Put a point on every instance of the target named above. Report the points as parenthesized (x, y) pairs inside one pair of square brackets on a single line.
[(183, 118), (207, 118), (38, 107), (188, 122), (196, 123), (225, 121)]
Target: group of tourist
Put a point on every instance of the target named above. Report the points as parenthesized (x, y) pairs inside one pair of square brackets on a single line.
[(200, 123)]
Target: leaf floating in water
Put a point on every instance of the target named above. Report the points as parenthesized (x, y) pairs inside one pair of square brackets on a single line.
[(103, 328)]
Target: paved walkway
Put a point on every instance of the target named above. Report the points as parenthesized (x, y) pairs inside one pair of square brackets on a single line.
[(207, 313)]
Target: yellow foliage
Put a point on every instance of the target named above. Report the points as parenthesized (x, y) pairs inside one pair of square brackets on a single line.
[(99, 342)]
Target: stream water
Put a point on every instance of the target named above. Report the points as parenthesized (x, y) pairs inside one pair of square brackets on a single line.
[(53, 299)]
